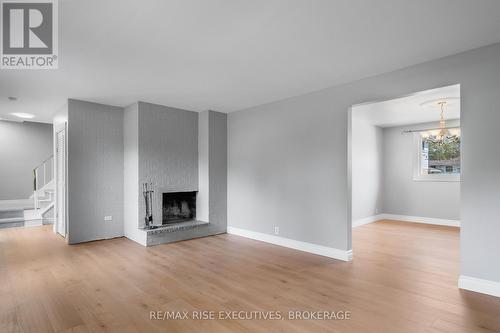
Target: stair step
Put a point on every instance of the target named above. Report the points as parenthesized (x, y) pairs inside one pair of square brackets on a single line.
[(6, 214), (10, 205), (12, 220), (12, 225)]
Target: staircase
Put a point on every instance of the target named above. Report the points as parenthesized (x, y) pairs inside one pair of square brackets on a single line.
[(39, 208), (12, 212), (44, 200)]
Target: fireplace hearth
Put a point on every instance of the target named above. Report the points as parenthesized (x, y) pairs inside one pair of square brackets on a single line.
[(178, 207)]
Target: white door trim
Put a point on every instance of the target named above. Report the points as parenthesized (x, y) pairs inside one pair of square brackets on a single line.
[(60, 177)]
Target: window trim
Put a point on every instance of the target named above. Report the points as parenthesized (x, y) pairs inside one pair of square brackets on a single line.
[(417, 175)]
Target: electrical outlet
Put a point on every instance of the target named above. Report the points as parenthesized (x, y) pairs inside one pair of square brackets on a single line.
[(376, 211), (108, 218), (276, 230)]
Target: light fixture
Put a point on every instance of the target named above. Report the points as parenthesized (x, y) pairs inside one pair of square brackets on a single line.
[(443, 131), (23, 115)]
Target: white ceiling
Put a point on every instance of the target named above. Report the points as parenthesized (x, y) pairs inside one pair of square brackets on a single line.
[(418, 108), (228, 55)]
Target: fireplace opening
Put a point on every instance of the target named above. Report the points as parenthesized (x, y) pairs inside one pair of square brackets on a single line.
[(178, 207)]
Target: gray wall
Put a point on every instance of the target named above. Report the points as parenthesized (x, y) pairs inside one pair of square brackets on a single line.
[(288, 161), (405, 196), (217, 175), (23, 146), (287, 168), (367, 169), (95, 171)]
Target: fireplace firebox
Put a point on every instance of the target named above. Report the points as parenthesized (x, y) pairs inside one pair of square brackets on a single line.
[(178, 207)]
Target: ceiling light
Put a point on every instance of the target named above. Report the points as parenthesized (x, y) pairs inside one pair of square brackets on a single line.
[(441, 105), (443, 131), (23, 115)]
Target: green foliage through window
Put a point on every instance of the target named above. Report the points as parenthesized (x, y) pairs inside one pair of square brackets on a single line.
[(447, 148)]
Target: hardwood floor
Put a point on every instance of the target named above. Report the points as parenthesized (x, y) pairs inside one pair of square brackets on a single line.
[(403, 279)]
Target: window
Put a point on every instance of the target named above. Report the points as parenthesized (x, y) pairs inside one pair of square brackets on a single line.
[(438, 159)]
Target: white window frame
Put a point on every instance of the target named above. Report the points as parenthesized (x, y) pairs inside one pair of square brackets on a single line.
[(417, 163)]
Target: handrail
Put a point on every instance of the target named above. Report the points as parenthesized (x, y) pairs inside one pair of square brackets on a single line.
[(45, 160), (40, 181)]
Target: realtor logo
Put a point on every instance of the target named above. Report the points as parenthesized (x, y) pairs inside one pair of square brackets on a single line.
[(29, 34)]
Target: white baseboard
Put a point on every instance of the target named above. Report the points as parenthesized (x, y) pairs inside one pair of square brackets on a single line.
[(406, 218), (17, 204), (366, 220), (293, 244), (479, 285), (33, 223), (421, 219)]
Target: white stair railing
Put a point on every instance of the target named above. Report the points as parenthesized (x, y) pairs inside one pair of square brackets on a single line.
[(42, 175)]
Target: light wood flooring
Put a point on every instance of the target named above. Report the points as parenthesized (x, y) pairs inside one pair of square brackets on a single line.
[(403, 279)]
